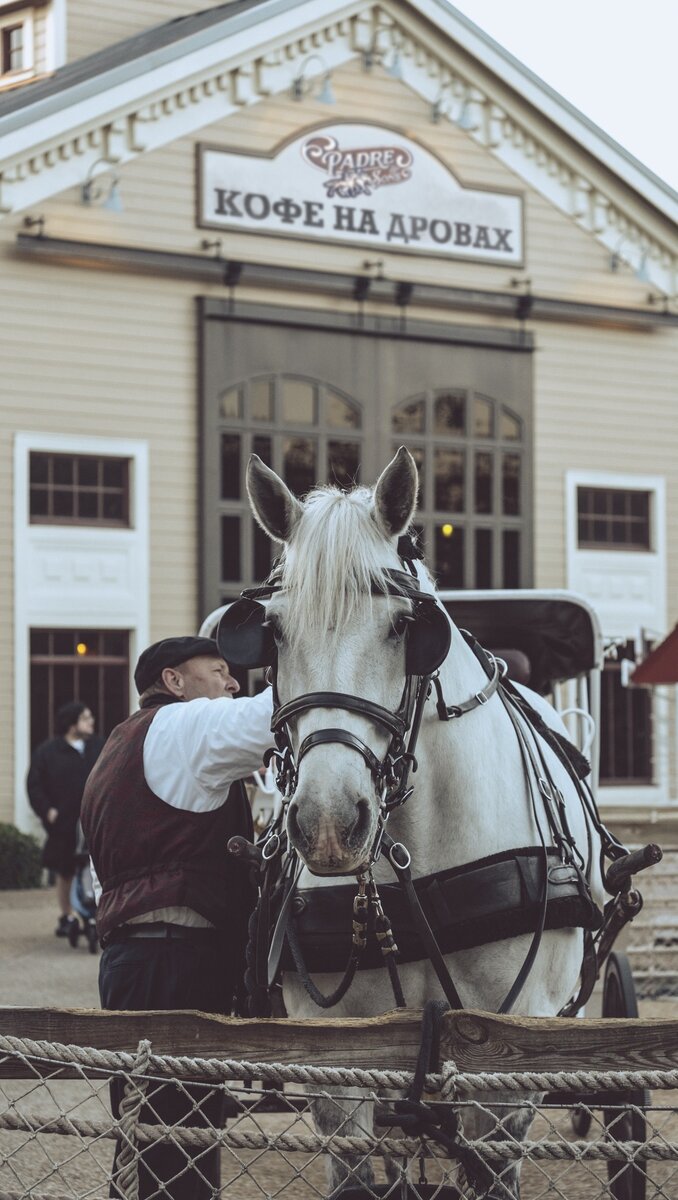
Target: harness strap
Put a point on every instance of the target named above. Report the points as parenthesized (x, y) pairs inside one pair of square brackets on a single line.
[(452, 711), (356, 704), (529, 763), (311, 988), (278, 938), (404, 876), (589, 975), (322, 736)]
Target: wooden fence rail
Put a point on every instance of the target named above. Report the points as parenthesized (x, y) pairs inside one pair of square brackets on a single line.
[(475, 1041)]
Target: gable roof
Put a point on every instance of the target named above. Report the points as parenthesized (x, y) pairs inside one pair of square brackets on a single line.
[(119, 81)]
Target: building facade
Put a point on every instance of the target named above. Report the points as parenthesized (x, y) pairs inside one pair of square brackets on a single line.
[(318, 230)]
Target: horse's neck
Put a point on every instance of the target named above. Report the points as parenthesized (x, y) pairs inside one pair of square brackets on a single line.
[(470, 797)]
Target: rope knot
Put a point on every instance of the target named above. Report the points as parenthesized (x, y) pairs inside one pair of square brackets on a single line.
[(449, 1076), (127, 1163)]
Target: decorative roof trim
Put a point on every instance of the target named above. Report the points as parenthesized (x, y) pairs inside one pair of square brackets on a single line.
[(256, 60), (554, 106)]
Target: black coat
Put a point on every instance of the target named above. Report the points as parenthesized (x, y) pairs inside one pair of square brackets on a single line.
[(57, 778)]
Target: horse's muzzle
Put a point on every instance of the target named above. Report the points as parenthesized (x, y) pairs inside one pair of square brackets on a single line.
[(331, 844)]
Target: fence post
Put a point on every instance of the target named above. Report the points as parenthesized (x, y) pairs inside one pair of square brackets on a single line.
[(127, 1158)]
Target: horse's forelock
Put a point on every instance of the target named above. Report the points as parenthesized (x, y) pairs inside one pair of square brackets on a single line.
[(335, 560)]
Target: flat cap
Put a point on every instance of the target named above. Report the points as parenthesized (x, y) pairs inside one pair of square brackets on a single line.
[(170, 652)]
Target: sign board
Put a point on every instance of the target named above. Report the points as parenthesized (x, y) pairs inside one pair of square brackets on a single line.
[(361, 185)]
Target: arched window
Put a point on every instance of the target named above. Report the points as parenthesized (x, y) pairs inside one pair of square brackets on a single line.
[(470, 451), (307, 431)]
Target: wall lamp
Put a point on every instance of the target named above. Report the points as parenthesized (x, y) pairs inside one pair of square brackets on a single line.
[(302, 87), (35, 223), (91, 193), (373, 55)]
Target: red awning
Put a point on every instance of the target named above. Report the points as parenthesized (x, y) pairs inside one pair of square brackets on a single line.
[(661, 665)]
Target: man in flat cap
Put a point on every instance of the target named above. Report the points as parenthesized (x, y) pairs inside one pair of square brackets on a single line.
[(157, 813)]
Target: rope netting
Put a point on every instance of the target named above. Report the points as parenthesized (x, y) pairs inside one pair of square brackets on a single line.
[(146, 1125)]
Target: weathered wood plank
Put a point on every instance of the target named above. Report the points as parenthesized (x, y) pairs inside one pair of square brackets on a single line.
[(373, 1042), (475, 1041), (478, 1041)]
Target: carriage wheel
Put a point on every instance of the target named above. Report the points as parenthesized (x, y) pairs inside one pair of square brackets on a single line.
[(627, 1181)]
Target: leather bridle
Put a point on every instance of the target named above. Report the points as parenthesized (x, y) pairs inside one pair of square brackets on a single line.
[(390, 774)]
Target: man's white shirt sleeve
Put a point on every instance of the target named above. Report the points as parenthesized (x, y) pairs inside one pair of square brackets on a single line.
[(196, 749)]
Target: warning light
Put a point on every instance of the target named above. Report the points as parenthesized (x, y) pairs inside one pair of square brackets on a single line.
[(81, 648), (447, 530)]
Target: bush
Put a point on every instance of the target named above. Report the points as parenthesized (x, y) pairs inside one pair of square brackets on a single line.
[(20, 865)]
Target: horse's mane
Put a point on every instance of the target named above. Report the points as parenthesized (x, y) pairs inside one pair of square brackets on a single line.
[(336, 558)]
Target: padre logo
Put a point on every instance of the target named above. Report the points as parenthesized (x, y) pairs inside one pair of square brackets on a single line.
[(358, 171)]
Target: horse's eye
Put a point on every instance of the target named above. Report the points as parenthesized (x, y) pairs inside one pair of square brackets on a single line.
[(276, 629), (399, 626)]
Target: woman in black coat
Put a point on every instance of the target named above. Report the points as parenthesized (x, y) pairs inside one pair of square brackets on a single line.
[(56, 781)]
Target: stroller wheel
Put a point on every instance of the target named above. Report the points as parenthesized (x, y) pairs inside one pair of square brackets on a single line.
[(92, 940), (73, 931)]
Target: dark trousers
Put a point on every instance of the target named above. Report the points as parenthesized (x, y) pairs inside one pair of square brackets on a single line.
[(154, 973)]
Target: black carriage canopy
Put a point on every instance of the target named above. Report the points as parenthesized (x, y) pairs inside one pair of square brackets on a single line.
[(556, 632)]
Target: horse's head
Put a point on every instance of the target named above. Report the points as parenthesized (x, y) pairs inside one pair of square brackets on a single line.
[(338, 627)]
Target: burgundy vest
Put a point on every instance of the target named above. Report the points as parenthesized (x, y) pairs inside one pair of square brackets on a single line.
[(148, 855)]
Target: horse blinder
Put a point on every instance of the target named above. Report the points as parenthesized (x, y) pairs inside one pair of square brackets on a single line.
[(428, 639), (244, 637)]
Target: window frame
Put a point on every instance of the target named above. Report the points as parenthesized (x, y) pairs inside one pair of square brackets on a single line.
[(23, 17), (122, 601), (613, 668), (98, 660), (640, 547), (618, 618), (99, 490)]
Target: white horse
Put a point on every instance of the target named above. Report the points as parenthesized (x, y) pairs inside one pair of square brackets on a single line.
[(336, 632)]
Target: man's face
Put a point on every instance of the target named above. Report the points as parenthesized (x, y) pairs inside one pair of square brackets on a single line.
[(206, 677), (85, 724)]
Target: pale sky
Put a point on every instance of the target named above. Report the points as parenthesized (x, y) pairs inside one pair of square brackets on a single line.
[(615, 60)]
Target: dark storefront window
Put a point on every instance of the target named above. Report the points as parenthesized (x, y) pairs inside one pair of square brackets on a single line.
[(470, 447), (313, 434), (91, 665), (626, 727)]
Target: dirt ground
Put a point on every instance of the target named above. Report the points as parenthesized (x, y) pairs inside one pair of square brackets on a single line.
[(39, 969)]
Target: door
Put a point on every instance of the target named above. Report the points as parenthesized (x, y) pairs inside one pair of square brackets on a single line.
[(324, 399)]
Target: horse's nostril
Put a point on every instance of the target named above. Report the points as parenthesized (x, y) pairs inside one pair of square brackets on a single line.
[(293, 830), (360, 827)]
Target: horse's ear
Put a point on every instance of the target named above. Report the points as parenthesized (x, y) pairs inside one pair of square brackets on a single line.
[(395, 494), (273, 504)]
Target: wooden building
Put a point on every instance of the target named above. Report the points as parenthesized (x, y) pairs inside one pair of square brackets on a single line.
[(318, 229)]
